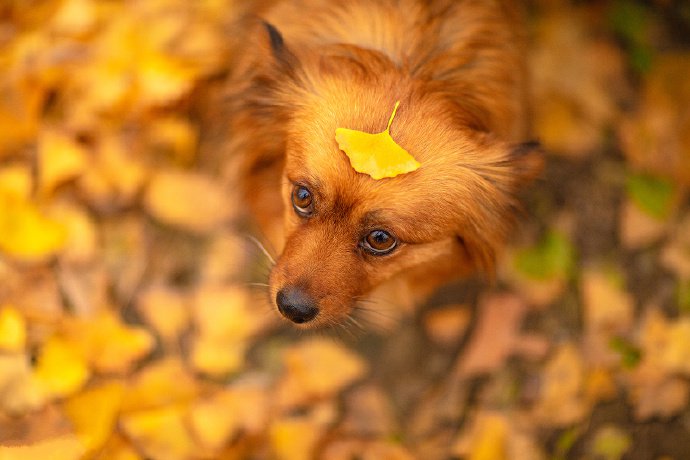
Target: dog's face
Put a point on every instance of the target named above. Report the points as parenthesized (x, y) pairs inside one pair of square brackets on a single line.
[(346, 233)]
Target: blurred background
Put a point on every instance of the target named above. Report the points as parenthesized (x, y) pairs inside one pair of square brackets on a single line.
[(134, 320)]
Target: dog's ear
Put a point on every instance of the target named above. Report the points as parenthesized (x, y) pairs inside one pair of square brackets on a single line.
[(285, 59), (493, 178), (528, 161)]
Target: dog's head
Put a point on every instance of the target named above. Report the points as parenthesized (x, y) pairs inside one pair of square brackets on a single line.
[(346, 233)]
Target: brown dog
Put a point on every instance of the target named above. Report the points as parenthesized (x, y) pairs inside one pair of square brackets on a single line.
[(316, 65)]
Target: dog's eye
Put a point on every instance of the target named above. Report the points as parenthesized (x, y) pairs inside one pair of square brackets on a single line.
[(302, 200), (379, 242)]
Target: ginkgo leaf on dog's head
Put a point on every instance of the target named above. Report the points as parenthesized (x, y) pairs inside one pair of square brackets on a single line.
[(377, 155)]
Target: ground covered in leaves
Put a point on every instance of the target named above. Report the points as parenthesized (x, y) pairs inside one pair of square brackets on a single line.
[(133, 320)]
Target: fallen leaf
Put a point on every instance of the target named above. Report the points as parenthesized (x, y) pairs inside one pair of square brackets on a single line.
[(638, 229), (217, 357), (497, 336), (94, 412), (446, 325), (608, 312), (160, 433), (656, 138), (166, 310), (161, 383), (675, 255), (190, 201), (368, 412), (60, 369), (540, 272), (118, 448), (26, 233), (561, 398), (81, 243), (492, 435), (16, 180), (239, 409), (20, 392), (109, 345), (610, 443), (315, 369), (377, 155), (74, 17), (294, 438), (347, 449), (67, 447), (60, 158), (578, 79), (12, 329)]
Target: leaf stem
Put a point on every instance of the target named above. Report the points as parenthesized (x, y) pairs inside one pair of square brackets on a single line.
[(395, 109)]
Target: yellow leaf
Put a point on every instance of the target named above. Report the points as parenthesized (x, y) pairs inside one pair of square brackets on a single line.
[(110, 345), (16, 180), (160, 383), (25, 233), (490, 439), (66, 447), (294, 438), (60, 369), (81, 244), (12, 330), (75, 17), (19, 391), (160, 433), (93, 413), (217, 357), (124, 172), (190, 201), (117, 448), (175, 136), (225, 312), (377, 155), (317, 368), (60, 159), (216, 420), (162, 79), (166, 311)]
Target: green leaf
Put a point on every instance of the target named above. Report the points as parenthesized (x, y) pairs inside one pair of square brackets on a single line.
[(552, 257), (630, 355), (611, 443), (652, 195), (632, 21)]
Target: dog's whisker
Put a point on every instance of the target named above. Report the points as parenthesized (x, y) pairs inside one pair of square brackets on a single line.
[(257, 284), (262, 248)]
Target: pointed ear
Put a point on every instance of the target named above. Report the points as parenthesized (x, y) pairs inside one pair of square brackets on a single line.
[(287, 62)]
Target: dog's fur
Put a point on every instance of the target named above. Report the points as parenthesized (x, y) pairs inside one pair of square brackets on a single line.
[(311, 66)]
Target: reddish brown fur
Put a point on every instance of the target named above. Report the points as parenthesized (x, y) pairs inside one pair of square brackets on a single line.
[(457, 68)]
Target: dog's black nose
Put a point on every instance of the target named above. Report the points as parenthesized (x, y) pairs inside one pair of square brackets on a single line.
[(296, 305)]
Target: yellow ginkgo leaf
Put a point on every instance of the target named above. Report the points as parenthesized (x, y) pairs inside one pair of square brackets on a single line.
[(160, 433), (25, 233), (60, 369), (377, 155), (93, 413), (12, 330), (109, 344)]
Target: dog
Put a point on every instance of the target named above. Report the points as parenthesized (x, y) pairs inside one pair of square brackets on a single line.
[(308, 67)]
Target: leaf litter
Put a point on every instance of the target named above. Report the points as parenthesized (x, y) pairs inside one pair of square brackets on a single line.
[(127, 329)]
